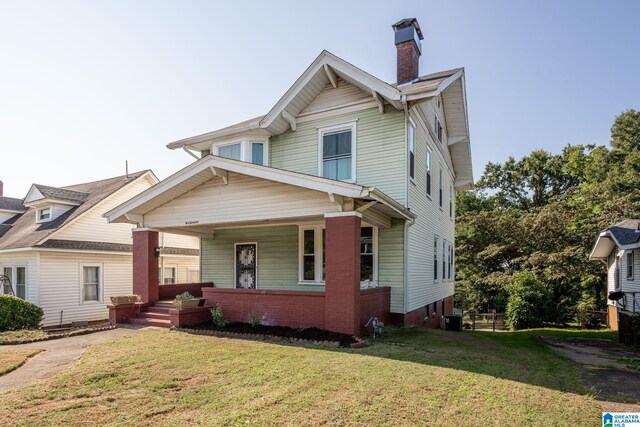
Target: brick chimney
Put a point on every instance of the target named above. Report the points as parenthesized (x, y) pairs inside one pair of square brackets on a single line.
[(409, 48)]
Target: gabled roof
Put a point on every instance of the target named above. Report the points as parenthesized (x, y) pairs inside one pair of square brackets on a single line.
[(328, 69), (11, 204), (204, 169), (25, 232), (38, 192), (624, 235)]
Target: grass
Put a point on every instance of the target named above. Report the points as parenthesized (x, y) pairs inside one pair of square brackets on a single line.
[(413, 376), (22, 334), (11, 360)]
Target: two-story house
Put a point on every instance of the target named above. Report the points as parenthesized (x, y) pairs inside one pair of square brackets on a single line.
[(58, 252), (335, 206)]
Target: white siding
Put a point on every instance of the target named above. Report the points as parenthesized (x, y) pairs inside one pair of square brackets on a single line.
[(431, 219), (344, 95), (243, 199), (30, 260), (633, 284), (178, 241), (93, 227), (58, 209), (60, 285)]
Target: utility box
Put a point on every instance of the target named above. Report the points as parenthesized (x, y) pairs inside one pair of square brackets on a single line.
[(453, 323)]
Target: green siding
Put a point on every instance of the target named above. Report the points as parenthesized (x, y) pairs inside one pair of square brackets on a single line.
[(391, 263), (277, 257), (380, 149)]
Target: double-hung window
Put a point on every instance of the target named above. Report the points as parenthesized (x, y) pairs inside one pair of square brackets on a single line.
[(428, 166), (435, 258), (44, 214), (7, 272), (630, 260), (246, 150), (450, 262), (444, 259), (167, 274), (91, 283), (441, 181), (337, 152), (21, 282), (312, 254), (15, 282), (412, 149)]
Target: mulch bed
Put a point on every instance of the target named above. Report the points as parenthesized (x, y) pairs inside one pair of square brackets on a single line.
[(56, 335), (306, 335)]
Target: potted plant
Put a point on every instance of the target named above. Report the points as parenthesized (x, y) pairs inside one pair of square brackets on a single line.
[(185, 300)]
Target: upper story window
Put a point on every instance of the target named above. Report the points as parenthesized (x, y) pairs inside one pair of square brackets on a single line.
[(428, 166), (412, 149), (337, 159), (630, 265), (438, 129), (43, 215), (435, 258), (246, 150), (441, 180)]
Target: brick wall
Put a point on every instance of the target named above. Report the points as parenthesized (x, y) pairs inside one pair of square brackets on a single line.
[(408, 61), (374, 303), (297, 309), (145, 265), (425, 316), (190, 316)]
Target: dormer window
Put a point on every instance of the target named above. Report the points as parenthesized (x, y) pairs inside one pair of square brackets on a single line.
[(246, 150), (44, 215)]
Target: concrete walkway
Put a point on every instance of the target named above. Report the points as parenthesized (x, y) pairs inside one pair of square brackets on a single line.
[(59, 355)]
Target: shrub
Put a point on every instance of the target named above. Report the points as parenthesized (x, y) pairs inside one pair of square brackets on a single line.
[(16, 313), (254, 319), (585, 313), (527, 297), (218, 318), (184, 296)]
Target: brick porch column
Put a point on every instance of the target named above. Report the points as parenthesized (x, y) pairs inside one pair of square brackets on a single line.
[(342, 272), (145, 264)]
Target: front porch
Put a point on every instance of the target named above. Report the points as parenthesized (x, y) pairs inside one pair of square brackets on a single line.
[(289, 248)]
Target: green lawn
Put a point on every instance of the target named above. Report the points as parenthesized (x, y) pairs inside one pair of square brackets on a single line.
[(413, 377), (13, 359), (22, 334)]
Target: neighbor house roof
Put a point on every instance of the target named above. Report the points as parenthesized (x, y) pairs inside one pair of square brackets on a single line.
[(63, 194), (328, 69), (11, 204), (22, 231), (624, 235)]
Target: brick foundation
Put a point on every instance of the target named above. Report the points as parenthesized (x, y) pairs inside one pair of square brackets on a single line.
[(145, 265), (296, 309), (425, 316), (190, 316)]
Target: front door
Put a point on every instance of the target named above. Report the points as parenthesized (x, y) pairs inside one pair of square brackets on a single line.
[(246, 265)]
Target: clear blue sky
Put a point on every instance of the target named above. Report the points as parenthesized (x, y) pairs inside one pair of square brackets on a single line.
[(86, 85)]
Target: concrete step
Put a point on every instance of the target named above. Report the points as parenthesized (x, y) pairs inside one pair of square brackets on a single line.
[(161, 310), (154, 315), (166, 304), (150, 322)]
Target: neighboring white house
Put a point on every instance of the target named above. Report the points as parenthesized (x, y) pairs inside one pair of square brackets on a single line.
[(618, 247), (58, 252)]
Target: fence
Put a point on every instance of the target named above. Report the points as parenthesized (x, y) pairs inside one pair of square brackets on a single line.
[(484, 321)]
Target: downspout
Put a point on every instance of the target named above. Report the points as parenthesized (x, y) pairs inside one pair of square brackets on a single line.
[(405, 257)]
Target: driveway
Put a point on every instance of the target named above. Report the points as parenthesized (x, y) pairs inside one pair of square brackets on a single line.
[(59, 355), (603, 369)]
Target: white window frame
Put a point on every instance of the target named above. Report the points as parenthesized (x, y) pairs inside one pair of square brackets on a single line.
[(335, 128), (191, 270), (235, 245), (429, 171), (245, 148), (10, 276), (411, 150), (175, 274), (450, 200), (317, 252), (441, 187), (14, 282), (630, 254), (40, 210), (100, 283), (435, 258)]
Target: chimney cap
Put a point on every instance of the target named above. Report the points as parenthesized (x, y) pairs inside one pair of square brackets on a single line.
[(407, 22)]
